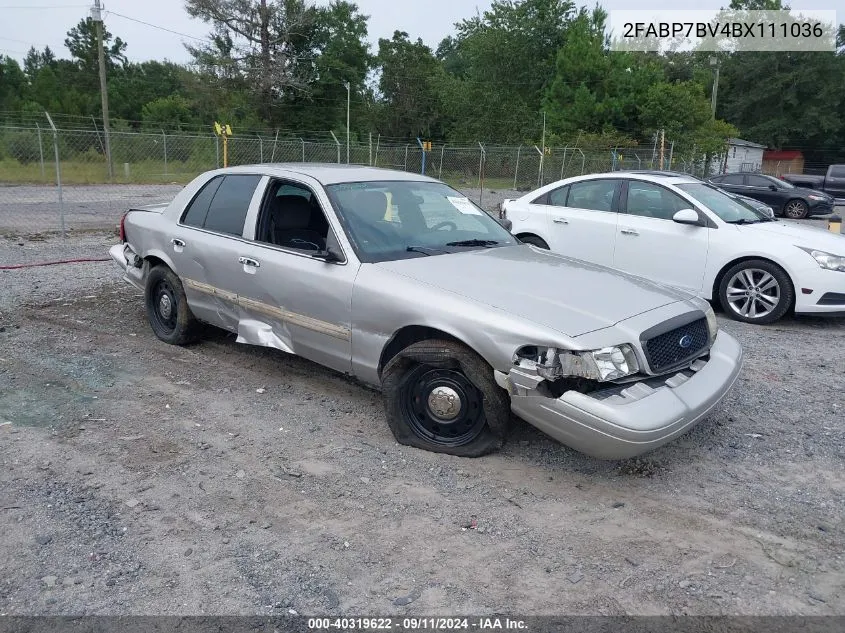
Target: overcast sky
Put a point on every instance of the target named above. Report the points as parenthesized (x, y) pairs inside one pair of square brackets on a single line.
[(39, 23)]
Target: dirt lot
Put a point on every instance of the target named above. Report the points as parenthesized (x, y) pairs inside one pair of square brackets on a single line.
[(139, 478)]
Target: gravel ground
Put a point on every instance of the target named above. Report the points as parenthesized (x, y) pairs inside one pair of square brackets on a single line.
[(141, 478)]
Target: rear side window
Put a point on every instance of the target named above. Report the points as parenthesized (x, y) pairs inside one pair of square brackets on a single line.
[(222, 204), (596, 195), (734, 179), (837, 171), (557, 197), (230, 204), (198, 209)]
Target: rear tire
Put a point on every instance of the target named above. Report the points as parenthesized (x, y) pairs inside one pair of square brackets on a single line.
[(167, 307), (441, 396), (796, 209), (534, 241), (756, 291)]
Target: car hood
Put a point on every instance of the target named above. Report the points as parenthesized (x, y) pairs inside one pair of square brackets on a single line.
[(567, 295), (798, 235)]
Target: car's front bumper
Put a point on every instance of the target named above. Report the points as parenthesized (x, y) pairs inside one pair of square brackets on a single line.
[(818, 291), (821, 207), (628, 420)]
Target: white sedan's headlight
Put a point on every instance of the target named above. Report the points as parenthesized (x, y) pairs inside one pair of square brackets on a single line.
[(828, 261), (608, 363)]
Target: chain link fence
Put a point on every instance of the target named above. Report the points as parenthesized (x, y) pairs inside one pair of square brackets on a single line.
[(60, 179)]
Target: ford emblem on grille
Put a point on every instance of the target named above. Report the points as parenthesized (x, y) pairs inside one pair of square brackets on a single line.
[(685, 341)]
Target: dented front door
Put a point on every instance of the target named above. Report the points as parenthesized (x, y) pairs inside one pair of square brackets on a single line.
[(294, 302)]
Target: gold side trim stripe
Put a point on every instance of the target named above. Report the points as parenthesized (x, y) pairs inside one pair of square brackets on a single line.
[(293, 318)]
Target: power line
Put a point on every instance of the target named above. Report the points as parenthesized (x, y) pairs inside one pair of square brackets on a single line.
[(156, 26), (62, 6)]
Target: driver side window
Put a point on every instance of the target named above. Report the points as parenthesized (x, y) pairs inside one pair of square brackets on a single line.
[(291, 217)]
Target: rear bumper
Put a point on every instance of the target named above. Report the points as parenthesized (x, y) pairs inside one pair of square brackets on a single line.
[(629, 420), (126, 259)]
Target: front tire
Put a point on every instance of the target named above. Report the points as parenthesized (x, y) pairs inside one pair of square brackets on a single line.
[(440, 396), (756, 291), (167, 307), (796, 209)]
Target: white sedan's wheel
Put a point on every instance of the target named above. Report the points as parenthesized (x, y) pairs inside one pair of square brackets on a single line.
[(756, 291)]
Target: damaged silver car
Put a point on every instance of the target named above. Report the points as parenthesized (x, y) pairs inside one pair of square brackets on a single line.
[(402, 282)]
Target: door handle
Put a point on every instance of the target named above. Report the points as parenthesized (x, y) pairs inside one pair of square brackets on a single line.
[(248, 261), (560, 221), (177, 242), (628, 232)]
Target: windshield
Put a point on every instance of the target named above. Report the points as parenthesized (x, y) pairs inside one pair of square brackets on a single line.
[(388, 220), (727, 208)]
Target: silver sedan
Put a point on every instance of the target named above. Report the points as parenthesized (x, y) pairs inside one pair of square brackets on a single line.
[(402, 282)]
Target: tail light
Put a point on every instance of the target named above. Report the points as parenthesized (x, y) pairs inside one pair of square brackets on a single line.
[(122, 227)]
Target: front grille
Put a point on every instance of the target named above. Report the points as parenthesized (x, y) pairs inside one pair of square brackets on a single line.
[(672, 348)]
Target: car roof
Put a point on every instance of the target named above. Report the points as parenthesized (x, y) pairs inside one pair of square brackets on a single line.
[(666, 178), (663, 172), (330, 173)]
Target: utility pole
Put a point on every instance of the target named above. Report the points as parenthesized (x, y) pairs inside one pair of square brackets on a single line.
[(662, 143), (714, 61), (348, 101), (97, 17)]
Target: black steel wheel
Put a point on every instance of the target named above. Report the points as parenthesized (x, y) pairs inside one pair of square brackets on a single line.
[(167, 307), (441, 396), (442, 406)]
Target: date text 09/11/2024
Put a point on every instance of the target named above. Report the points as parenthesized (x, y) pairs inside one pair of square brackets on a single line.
[(415, 624)]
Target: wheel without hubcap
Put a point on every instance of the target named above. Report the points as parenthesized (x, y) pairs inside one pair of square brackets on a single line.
[(442, 406), (167, 307), (164, 305), (441, 396)]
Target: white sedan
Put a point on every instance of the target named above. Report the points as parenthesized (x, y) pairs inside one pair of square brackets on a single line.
[(686, 233)]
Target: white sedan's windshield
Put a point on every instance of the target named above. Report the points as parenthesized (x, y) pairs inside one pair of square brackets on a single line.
[(389, 220), (727, 208)]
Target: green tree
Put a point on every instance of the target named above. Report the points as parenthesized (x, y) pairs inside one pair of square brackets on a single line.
[(81, 41), (262, 42), (13, 84), (341, 54), (172, 112), (500, 64), (408, 84)]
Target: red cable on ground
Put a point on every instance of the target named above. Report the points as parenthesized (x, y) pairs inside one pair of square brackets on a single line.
[(62, 261)]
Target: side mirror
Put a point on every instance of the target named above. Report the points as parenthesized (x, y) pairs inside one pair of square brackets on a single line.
[(687, 216), (329, 256), (505, 222), (773, 187)]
